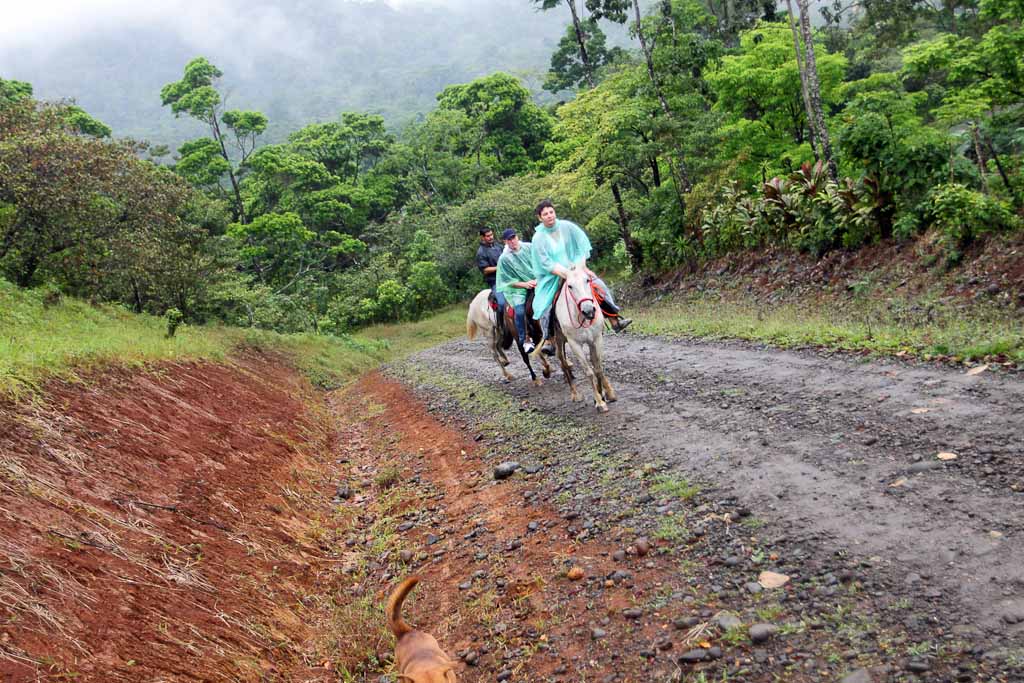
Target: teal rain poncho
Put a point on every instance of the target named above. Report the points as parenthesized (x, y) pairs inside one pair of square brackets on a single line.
[(515, 266), (563, 244)]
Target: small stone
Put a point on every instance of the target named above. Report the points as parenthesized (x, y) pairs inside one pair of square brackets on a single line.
[(727, 621), (619, 555), (690, 656), (632, 613), (405, 556), (759, 633), (471, 657), (505, 470), (753, 587), (858, 676), (344, 492), (597, 633), (643, 546), (575, 574), (918, 666), (505, 675)]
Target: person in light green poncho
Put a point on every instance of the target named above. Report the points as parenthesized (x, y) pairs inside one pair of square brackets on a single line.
[(558, 245), (515, 280)]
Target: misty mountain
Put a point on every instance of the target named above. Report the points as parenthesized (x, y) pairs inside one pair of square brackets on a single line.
[(297, 62), (310, 64)]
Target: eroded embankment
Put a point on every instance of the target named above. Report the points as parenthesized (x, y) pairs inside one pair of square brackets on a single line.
[(155, 526)]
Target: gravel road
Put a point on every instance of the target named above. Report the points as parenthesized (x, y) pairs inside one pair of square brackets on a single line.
[(832, 452)]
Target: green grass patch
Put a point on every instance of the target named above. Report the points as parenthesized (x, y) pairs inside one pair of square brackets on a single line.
[(673, 487), (923, 329), (44, 335)]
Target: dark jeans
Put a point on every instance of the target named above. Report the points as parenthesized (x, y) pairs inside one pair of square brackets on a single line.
[(520, 310)]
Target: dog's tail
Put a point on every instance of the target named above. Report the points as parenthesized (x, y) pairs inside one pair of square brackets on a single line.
[(395, 621)]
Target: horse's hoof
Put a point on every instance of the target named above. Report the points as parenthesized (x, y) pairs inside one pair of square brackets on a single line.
[(547, 374), (611, 399), (538, 382), (602, 408)]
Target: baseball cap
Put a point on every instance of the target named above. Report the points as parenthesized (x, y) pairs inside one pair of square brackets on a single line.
[(508, 234)]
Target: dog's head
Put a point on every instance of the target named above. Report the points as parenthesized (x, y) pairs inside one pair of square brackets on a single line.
[(444, 674)]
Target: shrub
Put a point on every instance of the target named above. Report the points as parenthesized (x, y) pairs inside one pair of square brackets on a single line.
[(961, 214), (173, 317)]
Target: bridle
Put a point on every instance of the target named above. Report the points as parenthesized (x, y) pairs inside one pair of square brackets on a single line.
[(581, 322)]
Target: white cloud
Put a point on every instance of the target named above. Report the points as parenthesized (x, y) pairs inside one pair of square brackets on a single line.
[(39, 24)]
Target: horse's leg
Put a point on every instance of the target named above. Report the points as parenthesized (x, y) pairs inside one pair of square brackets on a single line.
[(499, 355), (597, 360), (580, 352), (533, 329), (566, 366), (526, 359)]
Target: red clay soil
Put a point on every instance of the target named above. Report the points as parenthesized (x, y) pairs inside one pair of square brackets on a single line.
[(148, 526), (494, 590), (178, 524)]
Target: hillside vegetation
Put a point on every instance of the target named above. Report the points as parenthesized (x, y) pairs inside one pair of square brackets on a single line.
[(722, 129)]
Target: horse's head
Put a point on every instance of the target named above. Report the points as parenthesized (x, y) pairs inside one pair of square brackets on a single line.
[(578, 286)]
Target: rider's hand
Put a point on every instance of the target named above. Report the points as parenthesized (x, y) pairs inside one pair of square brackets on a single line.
[(531, 284)]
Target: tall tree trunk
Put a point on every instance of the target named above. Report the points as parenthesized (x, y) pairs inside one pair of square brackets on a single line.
[(239, 206), (980, 154), (581, 41), (1002, 174), (676, 166), (803, 79), (632, 248), (814, 90)]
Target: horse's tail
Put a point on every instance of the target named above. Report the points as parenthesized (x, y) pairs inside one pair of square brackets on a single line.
[(470, 328)]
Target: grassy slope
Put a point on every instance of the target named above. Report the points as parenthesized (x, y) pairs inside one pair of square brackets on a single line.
[(63, 337), (884, 299)]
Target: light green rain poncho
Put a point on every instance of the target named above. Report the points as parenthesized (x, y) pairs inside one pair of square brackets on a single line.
[(563, 244), (515, 266)]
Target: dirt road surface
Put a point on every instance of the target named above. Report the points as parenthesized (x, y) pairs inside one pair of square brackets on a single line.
[(838, 455)]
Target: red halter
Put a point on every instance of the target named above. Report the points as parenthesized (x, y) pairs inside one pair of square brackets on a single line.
[(581, 322)]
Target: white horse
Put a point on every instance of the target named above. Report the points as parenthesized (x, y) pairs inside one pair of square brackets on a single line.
[(482, 319), (581, 328)]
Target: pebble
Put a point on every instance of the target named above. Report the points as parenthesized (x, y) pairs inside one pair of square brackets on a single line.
[(690, 656), (753, 587), (632, 613), (918, 666), (762, 632), (505, 470), (728, 620), (405, 556), (597, 633), (686, 622), (858, 676), (505, 675)]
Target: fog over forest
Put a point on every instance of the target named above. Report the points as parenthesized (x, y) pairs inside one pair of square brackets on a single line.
[(297, 62)]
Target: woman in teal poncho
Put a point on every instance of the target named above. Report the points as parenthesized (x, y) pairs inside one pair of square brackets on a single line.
[(558, 245)]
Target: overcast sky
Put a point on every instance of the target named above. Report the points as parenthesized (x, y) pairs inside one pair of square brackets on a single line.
[(37, 23)]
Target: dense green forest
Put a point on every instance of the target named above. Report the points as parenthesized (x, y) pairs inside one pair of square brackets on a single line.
[(725, 125)]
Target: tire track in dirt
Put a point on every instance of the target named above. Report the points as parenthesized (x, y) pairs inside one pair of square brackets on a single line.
[(834, 452)]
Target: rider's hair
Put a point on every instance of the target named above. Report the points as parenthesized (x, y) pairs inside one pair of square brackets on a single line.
[(543, 205), (484, 231)]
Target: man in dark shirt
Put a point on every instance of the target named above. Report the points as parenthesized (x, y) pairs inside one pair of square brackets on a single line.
[(487, 256)]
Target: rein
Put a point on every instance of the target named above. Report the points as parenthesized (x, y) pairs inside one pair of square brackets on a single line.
[(580, 322)]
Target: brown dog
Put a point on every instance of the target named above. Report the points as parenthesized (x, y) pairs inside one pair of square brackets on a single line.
[(417, 654)]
